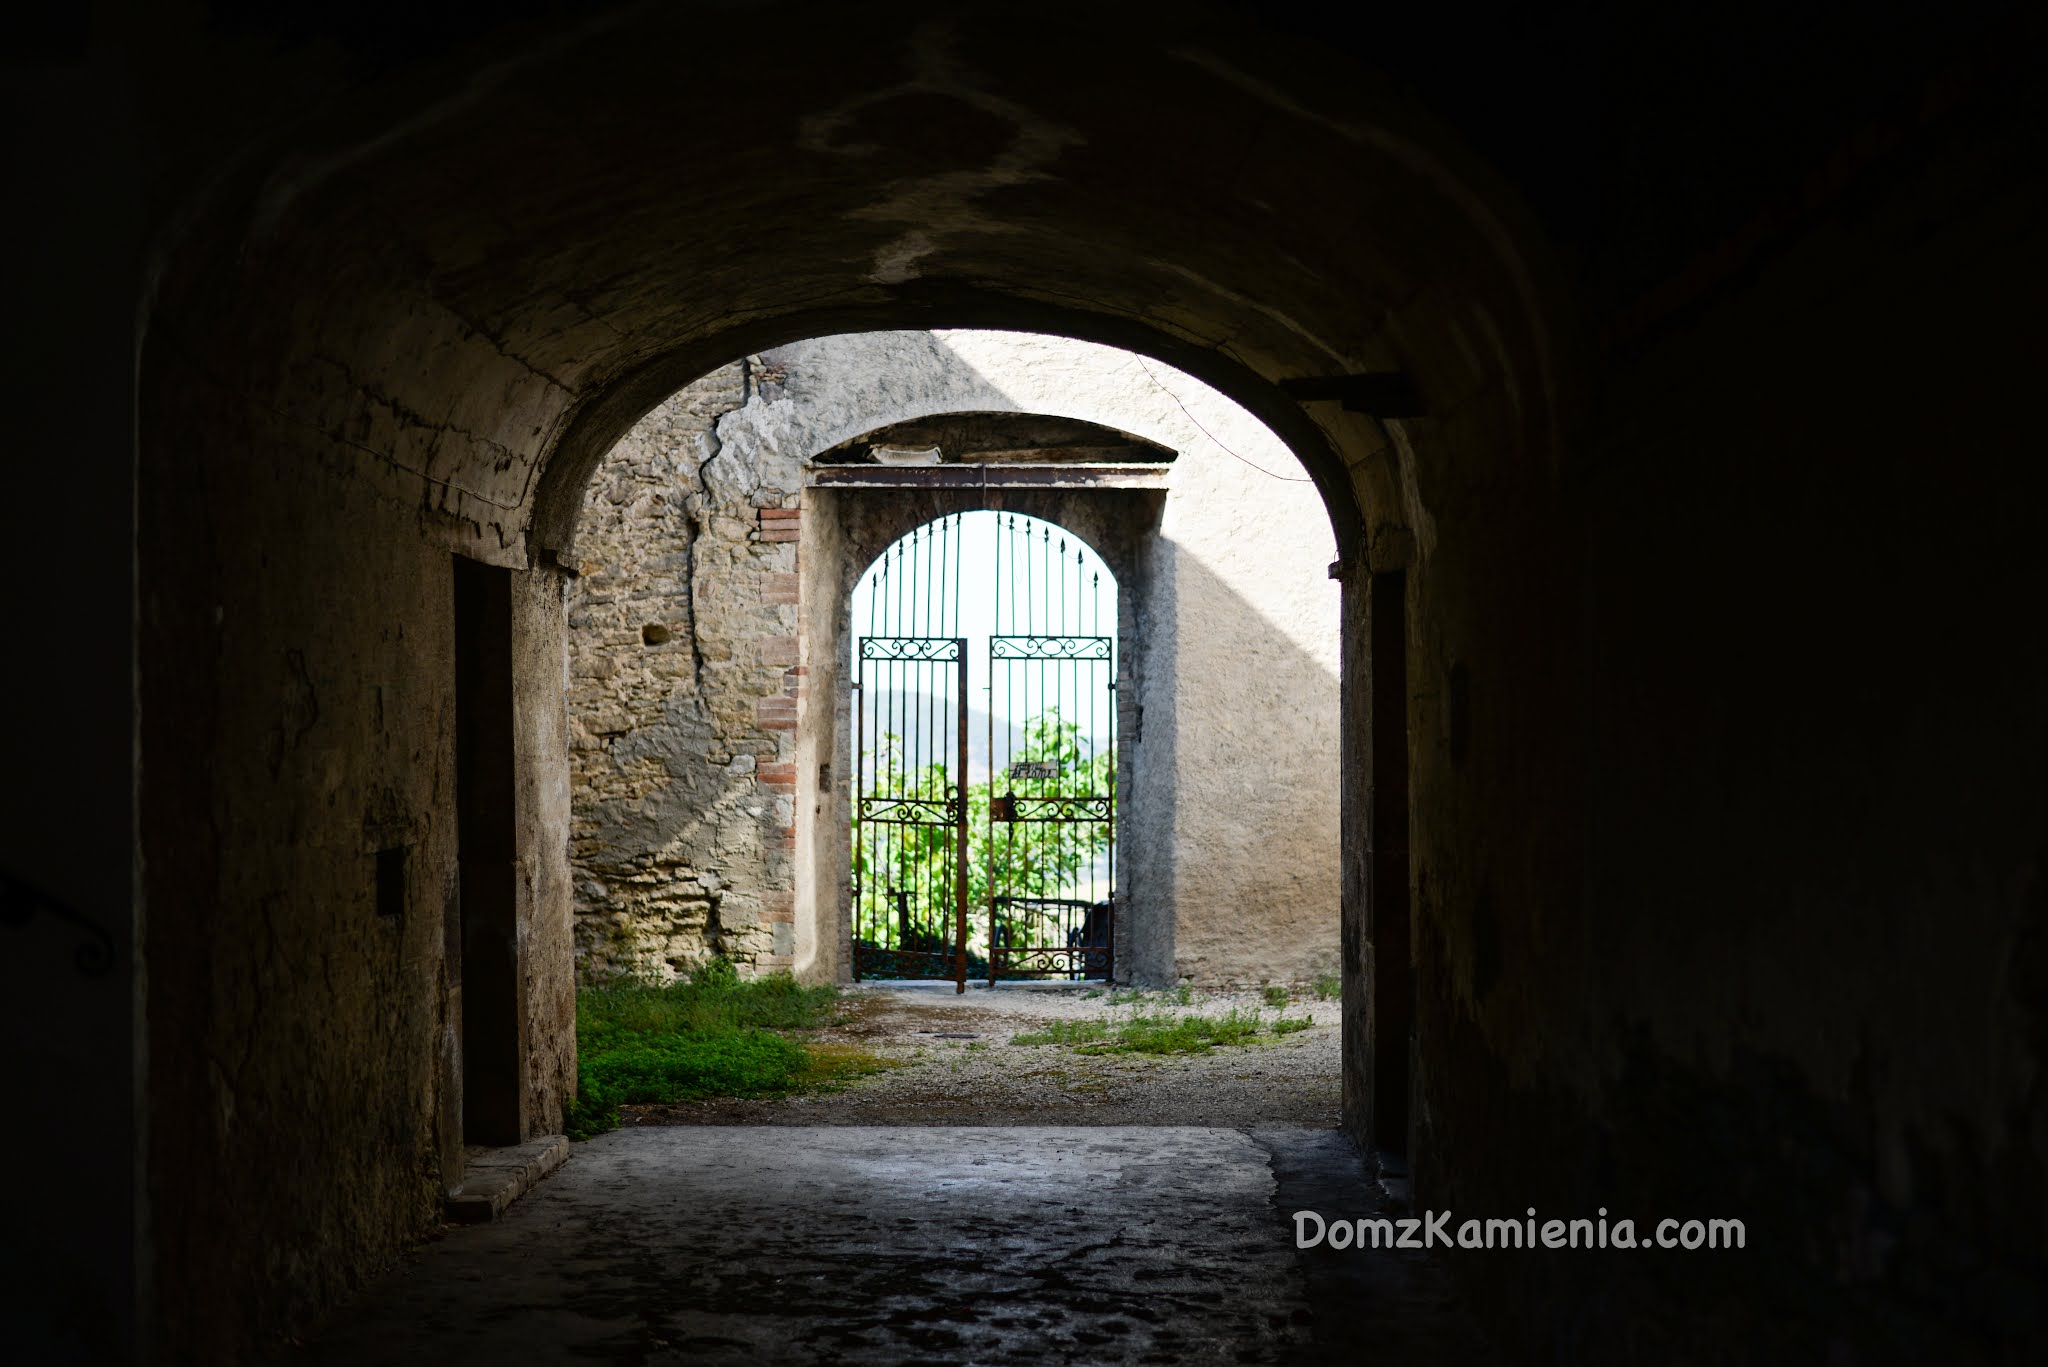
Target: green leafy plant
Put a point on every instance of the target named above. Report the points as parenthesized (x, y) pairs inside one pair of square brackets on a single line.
[(1014, 858), (715, 973), (1329, 987), (1274, 994)]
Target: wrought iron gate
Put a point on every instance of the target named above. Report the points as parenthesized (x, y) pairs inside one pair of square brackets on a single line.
[(910, 815), (1051, 848), (1007, 872)]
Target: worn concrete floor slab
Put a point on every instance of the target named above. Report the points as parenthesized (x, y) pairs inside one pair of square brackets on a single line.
[(752, 1244)]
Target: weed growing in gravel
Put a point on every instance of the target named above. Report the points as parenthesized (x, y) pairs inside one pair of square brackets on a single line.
[(713, 1036), (1075, 1032), (1288, 1026), (1274, 994), (1165, 1034), (1155, 1033), (1329, 987)]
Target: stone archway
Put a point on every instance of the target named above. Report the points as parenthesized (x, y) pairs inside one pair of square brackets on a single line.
[(335, 397), (315, 296)]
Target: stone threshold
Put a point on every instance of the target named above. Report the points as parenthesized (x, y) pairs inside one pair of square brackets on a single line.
[(492, 1179)]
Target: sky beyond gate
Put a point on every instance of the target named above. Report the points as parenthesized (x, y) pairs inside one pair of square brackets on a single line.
[(979, 575)]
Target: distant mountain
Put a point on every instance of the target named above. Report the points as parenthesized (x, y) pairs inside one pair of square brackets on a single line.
[(920, 714), (915, 715)]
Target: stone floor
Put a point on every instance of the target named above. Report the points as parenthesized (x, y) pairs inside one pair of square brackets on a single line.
[(830, 1244)]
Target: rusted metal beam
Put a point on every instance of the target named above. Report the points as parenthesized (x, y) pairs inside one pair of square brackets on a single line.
[(1383, 394), (977, 476)]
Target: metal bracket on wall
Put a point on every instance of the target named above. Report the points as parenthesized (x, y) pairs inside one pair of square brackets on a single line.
[(1381, 394)]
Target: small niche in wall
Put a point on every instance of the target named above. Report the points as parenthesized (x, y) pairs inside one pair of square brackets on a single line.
[(654, 634), (391, 881)]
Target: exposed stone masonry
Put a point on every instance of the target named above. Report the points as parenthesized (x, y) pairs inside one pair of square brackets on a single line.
[(683, 691)]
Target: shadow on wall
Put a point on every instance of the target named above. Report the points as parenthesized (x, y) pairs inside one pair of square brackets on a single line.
[(712, 818), (1233, 843)]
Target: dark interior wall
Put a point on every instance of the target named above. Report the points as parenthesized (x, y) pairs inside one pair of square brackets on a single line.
[(297, 711), (1390, 980), (1769, 942), (1731, 894), (68, 1274)]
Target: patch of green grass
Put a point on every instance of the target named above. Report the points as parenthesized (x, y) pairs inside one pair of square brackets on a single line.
[(1329, 987), (1150, 1033), (1287, 1026), (1169, 1034), (1274, 994), (1091, 994), (713, 1036), (1125, 996), (1074, 1032), (1184, 995)]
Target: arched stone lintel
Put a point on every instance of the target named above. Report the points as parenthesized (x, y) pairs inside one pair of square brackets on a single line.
[(598, 423)]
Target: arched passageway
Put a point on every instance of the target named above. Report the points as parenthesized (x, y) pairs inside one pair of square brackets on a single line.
[(480, 383), (1717, 895), (711, 625)]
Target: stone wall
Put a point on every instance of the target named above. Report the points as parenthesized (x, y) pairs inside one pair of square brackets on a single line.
[(682, 690)]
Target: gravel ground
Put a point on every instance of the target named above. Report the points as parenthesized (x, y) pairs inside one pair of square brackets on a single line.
[(955, 1065)]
